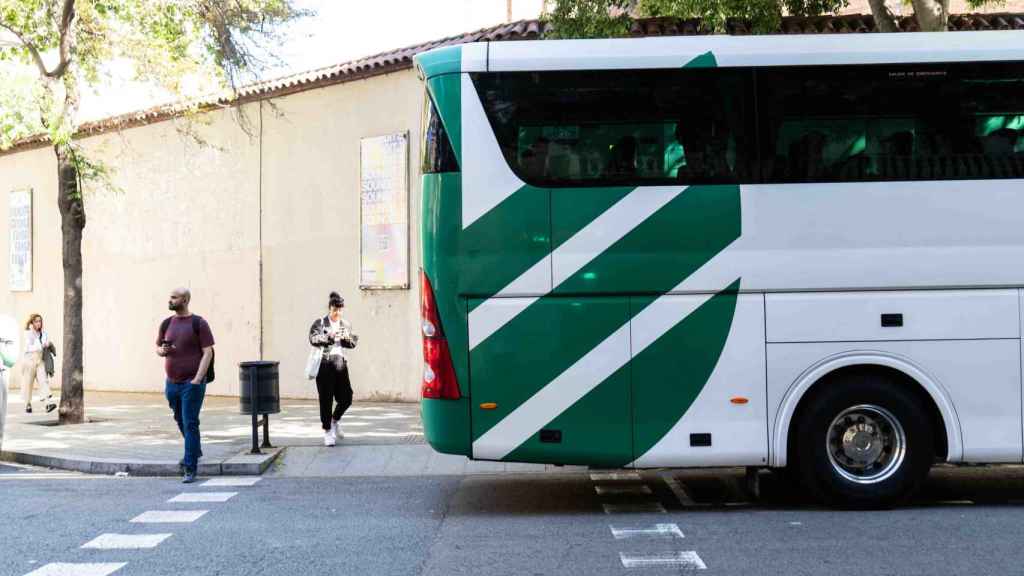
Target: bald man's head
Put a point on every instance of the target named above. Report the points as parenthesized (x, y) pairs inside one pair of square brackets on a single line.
[(180, 297)]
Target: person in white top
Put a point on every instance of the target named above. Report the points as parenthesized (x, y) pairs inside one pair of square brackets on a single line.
[(6, 361), (333, 334), (31, 368)]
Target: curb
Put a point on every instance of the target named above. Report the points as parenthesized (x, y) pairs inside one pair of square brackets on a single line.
[(243, 464)]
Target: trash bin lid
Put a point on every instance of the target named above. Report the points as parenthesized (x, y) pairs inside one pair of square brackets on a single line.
[(258, 363)]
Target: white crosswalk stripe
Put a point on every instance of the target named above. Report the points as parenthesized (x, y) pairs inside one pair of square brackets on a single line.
[(666, 531), (686, 560), (204, 497), (231, 481), (168, 516), (126, 541), (70, 569)]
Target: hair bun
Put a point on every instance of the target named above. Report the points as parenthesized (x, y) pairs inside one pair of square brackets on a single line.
[(334, 296)]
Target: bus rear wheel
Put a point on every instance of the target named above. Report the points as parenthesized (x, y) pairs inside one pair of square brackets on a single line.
[(864, 441)]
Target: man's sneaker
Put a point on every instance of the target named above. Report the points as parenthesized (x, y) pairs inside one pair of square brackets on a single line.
[(28, 409), (190, 477), (329, 438), (337, 430)]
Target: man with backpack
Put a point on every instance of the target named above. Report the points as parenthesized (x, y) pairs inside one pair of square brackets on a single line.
[(186, 344)]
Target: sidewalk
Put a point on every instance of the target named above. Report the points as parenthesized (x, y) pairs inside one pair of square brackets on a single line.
[(135, 433)]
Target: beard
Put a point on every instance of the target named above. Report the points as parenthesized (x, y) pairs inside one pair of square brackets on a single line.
[(173, 307)]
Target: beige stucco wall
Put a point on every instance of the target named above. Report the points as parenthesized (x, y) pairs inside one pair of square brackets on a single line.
[(185, 215), (35, 169), (311, 231), (190, 214)]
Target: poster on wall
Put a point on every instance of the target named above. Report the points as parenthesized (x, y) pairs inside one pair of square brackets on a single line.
[(384, 212), (20, 214)]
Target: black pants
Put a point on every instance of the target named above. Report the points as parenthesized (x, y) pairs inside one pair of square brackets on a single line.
[(333, 385)]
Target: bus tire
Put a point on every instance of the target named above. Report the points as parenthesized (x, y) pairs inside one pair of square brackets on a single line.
[(864, 441)]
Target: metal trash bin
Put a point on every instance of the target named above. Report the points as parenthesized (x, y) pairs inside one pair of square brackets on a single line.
[(268, 393), (259, 394)]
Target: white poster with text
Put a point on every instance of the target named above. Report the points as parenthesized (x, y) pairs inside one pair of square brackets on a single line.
[(20, 213)]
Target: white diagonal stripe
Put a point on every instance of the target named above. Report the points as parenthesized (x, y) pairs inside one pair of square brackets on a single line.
[(126, 541), (687, 560), (231, 481), (486, 177), (608, 228), (590, 242), (169, 516), (597, 365), (634, 508), (665, 531), (622, 489), (203, 497), (71, 569)]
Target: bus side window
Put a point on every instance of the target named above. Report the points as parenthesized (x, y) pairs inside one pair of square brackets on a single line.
[(438, 155)]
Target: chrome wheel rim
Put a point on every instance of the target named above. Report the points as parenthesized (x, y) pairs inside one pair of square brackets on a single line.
[(866, 444)]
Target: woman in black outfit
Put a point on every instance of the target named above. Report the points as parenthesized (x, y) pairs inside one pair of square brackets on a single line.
[(333, 334)]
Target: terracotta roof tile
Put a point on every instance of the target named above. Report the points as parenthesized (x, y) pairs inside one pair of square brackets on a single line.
[(401, 59)]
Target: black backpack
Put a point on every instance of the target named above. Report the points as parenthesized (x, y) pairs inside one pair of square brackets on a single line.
[(210, 373)]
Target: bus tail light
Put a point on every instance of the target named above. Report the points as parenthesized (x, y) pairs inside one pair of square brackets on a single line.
[(438, 371)]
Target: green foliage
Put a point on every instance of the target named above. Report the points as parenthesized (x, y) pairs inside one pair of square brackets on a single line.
[(71, 45), (587, 18), (610, 18)]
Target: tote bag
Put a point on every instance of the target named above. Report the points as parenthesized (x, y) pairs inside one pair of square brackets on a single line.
[(316, 354)]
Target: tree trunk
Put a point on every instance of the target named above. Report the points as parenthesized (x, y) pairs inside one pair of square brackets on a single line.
[(885, 21), (932, 15), (72, 223)]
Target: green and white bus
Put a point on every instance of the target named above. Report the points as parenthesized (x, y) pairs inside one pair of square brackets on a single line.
[(778, 251)]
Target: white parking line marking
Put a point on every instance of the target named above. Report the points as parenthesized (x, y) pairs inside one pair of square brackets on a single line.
[(68, 569), (623, 489), (614, 476), (204, 497), (678, 490), (166, 516), (126, 541), (687, 560), (668, 531), (231, 481), (634, 508)]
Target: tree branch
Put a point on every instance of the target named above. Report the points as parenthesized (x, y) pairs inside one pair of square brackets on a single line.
[(932, 15), (66, 36), (885, 21), (36, 57)]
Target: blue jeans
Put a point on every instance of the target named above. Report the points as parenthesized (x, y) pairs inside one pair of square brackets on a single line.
[(186, 399)]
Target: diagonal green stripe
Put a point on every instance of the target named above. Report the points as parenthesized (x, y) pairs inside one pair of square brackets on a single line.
[(596, 430), (533, 349), (555, 331), (666, 248), (509, 239), (670, 373), (616, 423)]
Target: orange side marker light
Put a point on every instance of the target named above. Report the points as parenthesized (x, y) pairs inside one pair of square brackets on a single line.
[(488, 406), (738, 400)]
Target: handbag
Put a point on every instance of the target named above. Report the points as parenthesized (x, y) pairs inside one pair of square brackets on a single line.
[(316, 354)]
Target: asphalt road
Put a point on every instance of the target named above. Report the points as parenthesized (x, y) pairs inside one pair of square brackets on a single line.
[(968, 521)]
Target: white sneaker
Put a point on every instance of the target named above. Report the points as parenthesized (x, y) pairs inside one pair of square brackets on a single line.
[(329, 438), (336, 428)]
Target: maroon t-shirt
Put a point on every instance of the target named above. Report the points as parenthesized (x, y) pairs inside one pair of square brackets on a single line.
[(182, 362)]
